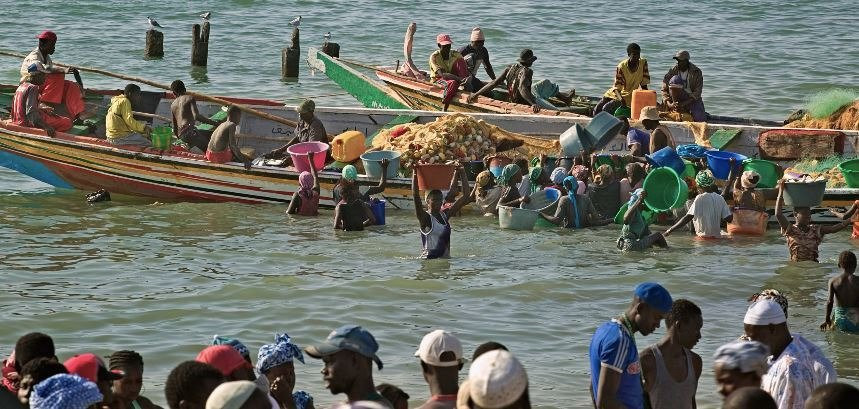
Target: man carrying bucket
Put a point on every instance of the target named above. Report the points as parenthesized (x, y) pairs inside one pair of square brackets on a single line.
[(56, 91)]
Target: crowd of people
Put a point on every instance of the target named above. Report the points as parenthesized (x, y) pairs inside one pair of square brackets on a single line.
[(769, 366)]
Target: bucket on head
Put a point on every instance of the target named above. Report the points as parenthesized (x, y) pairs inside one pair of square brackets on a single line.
[(378, 208), (162, 137), (720, 163), (850, 170), (665, 190), (497, 164), (646, 213), (514, 218), (434, 175), (576, 140), (299, 152), (473, 168), (770, 172), (804, 194), (667, 157), (689, 171), (604, 128), (373, 163)]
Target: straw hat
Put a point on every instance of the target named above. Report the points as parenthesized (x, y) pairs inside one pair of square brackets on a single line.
[(650, 112)]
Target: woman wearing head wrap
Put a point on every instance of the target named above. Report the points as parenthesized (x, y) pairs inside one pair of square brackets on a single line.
[(635, 234), (708, 210), (349, 179), (509, 179), (64, 391), (574, 210), (750, 204), (605, 192), (276, 362), (305, 201), (486, 194), (582, 175), (557, 178), (739, 364), (633, 180)]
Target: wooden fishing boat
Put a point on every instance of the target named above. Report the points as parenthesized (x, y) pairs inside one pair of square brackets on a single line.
[(88, 162)]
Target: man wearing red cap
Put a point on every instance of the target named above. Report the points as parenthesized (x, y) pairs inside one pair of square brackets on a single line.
[(56, 91), (447, 68), (228, 361)]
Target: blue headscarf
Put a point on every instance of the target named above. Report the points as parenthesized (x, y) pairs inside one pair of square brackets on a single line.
[(236, 344), (571, 184), (64, 391), (633, 197), (283, 350)]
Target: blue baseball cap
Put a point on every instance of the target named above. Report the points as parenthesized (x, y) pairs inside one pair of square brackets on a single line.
[(655, 296), (350, 338)]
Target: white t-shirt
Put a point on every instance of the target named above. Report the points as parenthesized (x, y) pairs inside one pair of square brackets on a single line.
[(707, 211)]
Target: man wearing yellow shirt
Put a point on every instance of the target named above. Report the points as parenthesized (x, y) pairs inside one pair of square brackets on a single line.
[(447, 68), (121, 127), (631, 74)]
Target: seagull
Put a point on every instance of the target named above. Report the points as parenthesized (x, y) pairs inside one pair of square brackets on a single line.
[(327, 36), (295, 22), (206, 15), (153, 23)]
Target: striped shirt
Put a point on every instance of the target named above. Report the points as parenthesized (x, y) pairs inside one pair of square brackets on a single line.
[(613, 348)]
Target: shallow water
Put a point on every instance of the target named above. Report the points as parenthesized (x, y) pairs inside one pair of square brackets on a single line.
[(163, 278)]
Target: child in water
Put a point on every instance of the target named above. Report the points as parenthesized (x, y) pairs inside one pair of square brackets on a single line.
[(349, 178), (435, 226), (352, 213), (458, 186), (305, 201), (803, 238), (844, 291)]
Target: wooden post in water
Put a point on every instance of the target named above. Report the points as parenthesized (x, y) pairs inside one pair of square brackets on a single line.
[(200, 44), (290, 56), (331, 49), (154, 44)]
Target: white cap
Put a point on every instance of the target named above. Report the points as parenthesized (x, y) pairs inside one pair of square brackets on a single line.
[(231, 395), (764, 312), (436, 343), (496, 379)]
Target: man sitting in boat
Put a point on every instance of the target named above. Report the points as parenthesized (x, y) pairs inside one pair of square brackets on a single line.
[(685, 96), (25, 105), (518, 77), (224, 146), (475, 55), (308, 129), (121, 127), (56, 91), (185, 115), (447, 68), (631, 74)]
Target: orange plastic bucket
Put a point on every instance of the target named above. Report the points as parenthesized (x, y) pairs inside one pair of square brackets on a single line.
[(642, 98), (434, 176)]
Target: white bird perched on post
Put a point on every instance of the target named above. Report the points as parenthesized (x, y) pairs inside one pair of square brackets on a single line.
[(153, 23), (327, 36), (205, 16), (295, 22)]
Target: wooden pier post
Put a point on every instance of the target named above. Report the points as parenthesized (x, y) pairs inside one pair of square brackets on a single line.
[(331, 49), (154, 44), (290, 56), (200, 44)]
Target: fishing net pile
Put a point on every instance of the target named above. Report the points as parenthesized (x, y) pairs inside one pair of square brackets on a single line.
[(832, 109), (826, 168), (457, 137)]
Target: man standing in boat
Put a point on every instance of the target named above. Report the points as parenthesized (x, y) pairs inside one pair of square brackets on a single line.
[(25, 105), (56, 91), (185, 115), (631, 74), (475, 55), (692, 83)]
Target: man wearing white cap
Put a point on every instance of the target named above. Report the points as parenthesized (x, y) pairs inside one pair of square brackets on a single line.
[(476, 54), (441, 360), (496, 380), (238, 395), (797, 365)]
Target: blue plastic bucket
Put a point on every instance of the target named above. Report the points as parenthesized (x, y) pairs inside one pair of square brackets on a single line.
[(378, 208), (667, 157), (719, 163), (373, 163)]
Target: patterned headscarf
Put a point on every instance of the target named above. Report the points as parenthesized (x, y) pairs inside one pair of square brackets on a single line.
[(507, 174), (534, 176), (483, 178), (570, 183), (283, 350), (305, 182), (558, 175), (64, 391), (349, 172), (236, 344), (705, 179), (771, 294), (745, 356)]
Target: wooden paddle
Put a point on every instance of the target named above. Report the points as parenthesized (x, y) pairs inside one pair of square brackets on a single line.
[(197, 95)]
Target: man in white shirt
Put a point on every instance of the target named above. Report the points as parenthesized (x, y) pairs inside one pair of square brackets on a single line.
[(56, 91), (708, 210)]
